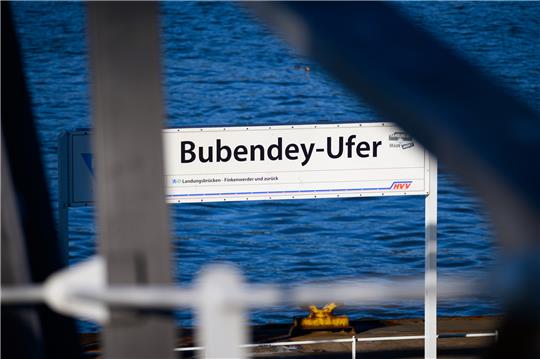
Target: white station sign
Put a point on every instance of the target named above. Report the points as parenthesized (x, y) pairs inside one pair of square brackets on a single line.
[(278, 162)]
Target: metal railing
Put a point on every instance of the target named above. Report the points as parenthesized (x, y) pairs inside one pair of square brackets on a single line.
[(220, 299), (353, 340)]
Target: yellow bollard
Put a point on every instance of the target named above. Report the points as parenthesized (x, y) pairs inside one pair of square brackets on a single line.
[(321, 319)]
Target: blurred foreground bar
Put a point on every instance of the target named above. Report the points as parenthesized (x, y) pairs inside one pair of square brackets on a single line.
[(131, 211), (30, 247), (462, 116), (466, 119)]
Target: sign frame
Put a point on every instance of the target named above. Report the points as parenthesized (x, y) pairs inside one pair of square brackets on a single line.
[(352, 168)]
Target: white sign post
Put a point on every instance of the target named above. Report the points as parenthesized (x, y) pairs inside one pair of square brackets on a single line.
[(281, 162), (430, 274)]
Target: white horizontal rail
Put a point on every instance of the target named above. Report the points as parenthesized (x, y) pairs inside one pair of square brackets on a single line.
[(478, 335), (22, 295), (165, 297), (350, 340), (383, 339), (276, 344), (300, 342)]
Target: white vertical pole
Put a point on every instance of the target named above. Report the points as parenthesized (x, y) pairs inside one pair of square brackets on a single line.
[(430, 298), (63, 193), (354, 347), (221, 318)]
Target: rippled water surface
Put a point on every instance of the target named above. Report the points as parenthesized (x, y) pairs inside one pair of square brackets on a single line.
[(223, 67)]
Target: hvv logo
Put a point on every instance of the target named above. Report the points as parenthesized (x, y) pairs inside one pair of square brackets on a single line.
[(401, 185)]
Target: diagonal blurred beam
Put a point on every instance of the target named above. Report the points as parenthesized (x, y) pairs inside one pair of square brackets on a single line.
[(459, 114), (131, 210), (463, 117), (42, 250), (24, 337)]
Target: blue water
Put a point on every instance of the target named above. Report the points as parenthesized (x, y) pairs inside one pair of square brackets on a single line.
[(223, 67)]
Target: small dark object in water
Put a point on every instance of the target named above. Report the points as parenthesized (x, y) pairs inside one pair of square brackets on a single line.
[(302, 67)]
